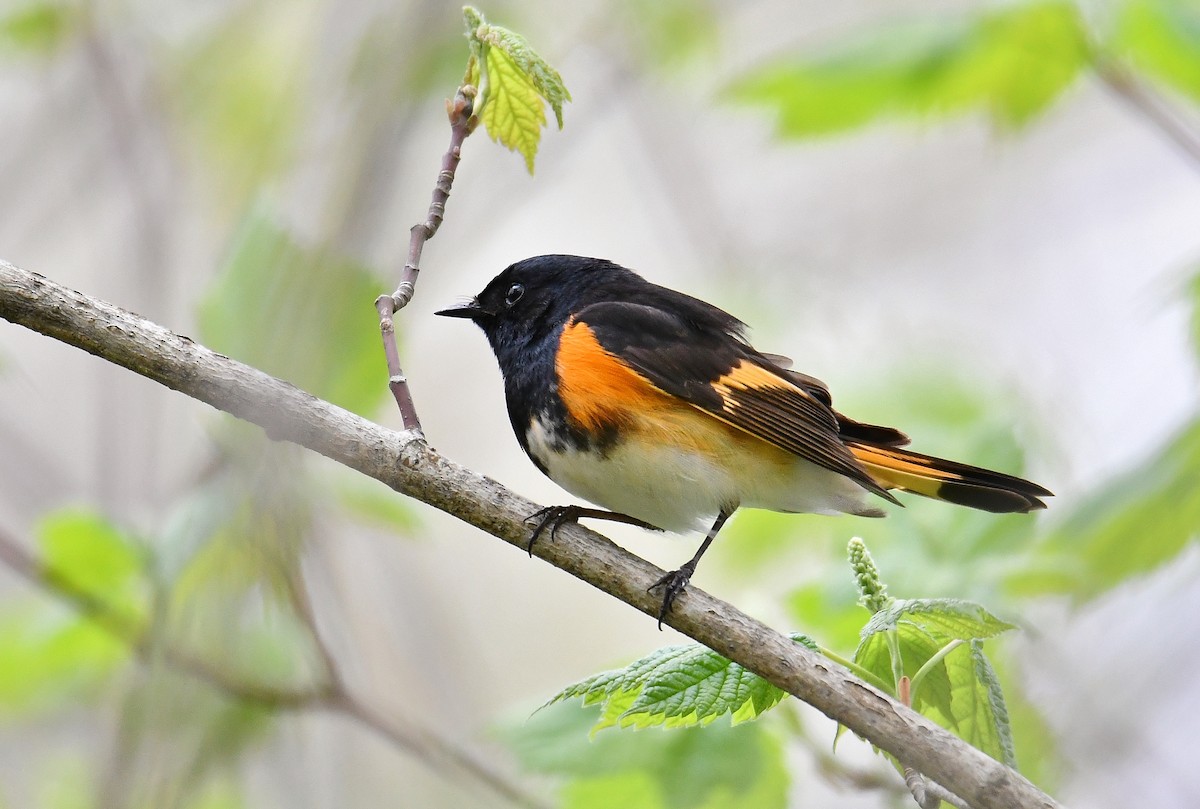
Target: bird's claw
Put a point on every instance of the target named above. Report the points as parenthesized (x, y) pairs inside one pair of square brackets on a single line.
[(552, 518), (672, 585)]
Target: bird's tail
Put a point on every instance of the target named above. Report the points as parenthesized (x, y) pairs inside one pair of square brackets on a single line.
[(953, 482)]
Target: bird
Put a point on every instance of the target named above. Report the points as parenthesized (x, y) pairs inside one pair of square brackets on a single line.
[(653, 405)]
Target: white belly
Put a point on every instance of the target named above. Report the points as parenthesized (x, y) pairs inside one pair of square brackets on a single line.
[(682, 489)]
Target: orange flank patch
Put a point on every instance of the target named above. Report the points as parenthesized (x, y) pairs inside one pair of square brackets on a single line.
[(597, 389)]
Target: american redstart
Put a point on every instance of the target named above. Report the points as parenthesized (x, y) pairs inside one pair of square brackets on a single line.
[(652, 404)]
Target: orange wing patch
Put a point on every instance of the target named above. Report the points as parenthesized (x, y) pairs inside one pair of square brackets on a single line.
[(598, 389), (746, 376)]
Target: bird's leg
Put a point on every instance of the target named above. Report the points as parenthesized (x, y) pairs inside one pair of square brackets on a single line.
[(552, 517), (674, 582)]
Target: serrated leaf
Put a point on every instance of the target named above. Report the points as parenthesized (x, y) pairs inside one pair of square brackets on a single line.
[(960, 692), (1163, 39), (677, 686), (1011, 62), (979, 714), (716, 767), (944, 619), (514, 84)]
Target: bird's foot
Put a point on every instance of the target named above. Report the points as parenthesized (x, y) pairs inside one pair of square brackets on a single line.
[(672, 585), (550, 519)]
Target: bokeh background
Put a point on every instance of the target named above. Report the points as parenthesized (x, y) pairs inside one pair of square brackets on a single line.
[(978, 222)]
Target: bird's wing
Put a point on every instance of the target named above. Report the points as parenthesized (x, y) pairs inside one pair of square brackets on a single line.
[(716, 372)]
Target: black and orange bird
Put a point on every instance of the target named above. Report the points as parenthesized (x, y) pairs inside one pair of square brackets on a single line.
[(652, 404)]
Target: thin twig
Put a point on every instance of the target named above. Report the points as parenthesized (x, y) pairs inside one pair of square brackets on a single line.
[(462, 123), (434, 751), (425, 746), (1136, 93), (408, 465)]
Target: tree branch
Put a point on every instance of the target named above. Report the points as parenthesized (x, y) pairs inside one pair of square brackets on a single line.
[(438, 753), (403, 461), (1123, 82)]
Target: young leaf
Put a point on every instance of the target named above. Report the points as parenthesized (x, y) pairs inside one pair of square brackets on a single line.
[(514, 84), (958, 690), (678, 686), (943, 619)]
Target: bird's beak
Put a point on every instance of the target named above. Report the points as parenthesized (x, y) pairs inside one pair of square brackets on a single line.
[(468, 308)]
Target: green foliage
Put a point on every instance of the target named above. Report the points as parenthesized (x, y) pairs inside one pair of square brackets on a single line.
[(51, 653), (1128, 527), (714, 767), (933, 645), (936, 644), (38, 28), (94, 557), (236, 97), (514, 84), (677, 686), (297, 312), (1011, 62), (1162, 38), (674, 32)]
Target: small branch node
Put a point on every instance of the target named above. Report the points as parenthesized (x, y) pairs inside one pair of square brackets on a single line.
[(404, 293)]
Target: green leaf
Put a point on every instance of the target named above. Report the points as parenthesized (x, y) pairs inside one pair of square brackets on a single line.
[(960, 691), (714, 767), (1011, 62), (371, 502), (978, 704), (49, 655), (677, 686), (51, 652), (38, 28), (299, 313), (943, 619), (94, 557), (1163, 39), (514, 84), (1129, 527)]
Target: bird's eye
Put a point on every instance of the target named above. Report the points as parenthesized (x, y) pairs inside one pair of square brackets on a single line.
[(514, 294)]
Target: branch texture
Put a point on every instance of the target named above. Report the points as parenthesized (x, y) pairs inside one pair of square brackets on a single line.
[(403, 461)]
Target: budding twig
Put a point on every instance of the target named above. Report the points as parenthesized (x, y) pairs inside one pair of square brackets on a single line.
[(462, 123)]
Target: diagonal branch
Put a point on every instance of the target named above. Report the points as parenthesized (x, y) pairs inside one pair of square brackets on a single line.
[(436, 752), (407, 464)]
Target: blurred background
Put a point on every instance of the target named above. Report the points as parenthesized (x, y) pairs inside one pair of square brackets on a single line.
[(977, 222)]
